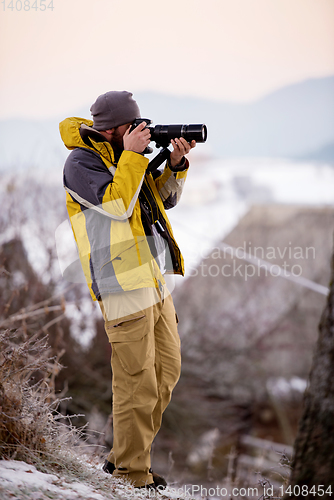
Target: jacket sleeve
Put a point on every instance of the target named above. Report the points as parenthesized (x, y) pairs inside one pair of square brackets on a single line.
[(170, 185), (89, 181)]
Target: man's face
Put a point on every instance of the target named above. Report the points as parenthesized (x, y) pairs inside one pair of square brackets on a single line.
[(117, 136)]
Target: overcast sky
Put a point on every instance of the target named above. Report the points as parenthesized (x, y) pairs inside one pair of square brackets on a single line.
[(55, 61)]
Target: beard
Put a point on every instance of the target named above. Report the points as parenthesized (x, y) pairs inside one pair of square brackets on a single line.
[(117, 141)]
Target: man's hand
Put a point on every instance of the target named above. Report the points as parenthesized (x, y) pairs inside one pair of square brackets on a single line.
[(138, 139), (180, 148)]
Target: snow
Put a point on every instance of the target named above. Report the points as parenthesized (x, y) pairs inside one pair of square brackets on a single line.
[(205, 448), (83, 318), (22, 481), (285, 388), (16, 476)]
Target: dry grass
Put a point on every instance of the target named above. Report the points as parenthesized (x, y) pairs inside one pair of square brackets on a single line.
[(30, 427)]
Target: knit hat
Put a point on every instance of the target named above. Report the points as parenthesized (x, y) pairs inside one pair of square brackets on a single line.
[(114, 108)]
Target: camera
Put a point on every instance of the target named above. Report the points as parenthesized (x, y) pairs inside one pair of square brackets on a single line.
[(162, 134)]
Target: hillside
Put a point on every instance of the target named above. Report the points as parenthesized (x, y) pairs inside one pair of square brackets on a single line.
[(247, 334)]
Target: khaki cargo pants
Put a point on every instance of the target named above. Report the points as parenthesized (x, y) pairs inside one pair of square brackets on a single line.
[(146, 366)]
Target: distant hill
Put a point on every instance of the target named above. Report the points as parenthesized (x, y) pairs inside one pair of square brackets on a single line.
[(292, 122), (324, 154)]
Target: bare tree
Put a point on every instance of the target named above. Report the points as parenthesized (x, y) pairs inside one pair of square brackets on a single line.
[(313, 462)]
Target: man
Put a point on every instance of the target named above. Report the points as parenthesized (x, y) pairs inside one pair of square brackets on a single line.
[(126, 245)]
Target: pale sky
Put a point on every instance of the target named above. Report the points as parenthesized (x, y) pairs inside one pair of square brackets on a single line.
[(56, 61)]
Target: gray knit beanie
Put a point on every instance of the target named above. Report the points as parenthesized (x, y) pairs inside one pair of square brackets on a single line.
[(114, 108)]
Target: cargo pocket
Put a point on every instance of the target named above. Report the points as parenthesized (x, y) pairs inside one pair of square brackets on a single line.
[(131, 342)]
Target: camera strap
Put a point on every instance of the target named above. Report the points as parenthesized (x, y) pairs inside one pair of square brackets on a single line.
[(151, 215), (146, 199)]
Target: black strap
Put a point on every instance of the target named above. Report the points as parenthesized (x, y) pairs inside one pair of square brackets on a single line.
[(147, 200), (152, 215)]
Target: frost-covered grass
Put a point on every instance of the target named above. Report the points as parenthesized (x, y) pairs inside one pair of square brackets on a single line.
[(29, 426)]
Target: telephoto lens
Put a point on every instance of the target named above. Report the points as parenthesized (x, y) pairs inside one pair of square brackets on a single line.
[(163, 134)]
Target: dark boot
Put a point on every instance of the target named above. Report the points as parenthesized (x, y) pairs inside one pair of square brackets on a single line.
[(108, 467), (159, 482)]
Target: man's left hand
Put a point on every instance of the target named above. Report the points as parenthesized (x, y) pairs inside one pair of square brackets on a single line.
[(180, 148)]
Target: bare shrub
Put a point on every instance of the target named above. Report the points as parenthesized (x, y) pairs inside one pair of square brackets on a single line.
[(29, 426)]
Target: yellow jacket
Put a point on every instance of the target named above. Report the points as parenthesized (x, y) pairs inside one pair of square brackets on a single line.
[(112, 207)]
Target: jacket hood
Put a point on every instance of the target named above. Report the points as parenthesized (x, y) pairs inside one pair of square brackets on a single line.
[(71, 137)]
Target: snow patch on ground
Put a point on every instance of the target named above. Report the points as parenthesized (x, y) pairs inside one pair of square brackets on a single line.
[(22, 481), (19, 477)]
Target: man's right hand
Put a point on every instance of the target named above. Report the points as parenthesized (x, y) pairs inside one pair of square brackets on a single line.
[(138, 139)]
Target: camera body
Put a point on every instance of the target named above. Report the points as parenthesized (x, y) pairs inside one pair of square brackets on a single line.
[(162, 134)]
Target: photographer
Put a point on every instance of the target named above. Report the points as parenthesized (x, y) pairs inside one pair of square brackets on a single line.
[(126, 245)]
